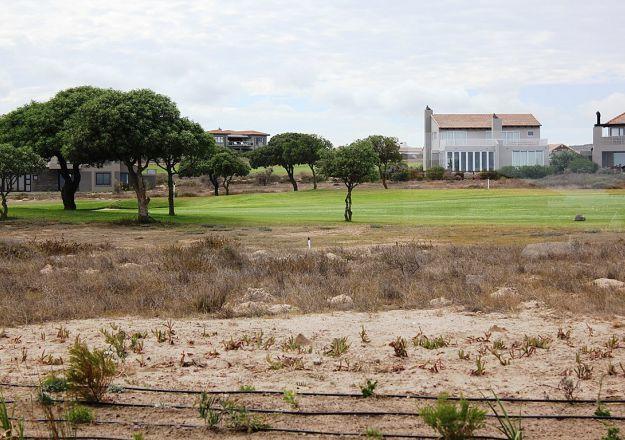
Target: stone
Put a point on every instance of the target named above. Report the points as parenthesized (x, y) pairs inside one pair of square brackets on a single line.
[(258, 294), (440, 302), (333, 257), (47, 269), (580, 218), (548, 249), (343, 302), (280, 309), (302, 340), (317, 361), (250, 308), (504, 292), (609, 283), (495, 328)]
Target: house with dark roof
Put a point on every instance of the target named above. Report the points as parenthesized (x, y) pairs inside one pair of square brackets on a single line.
[(241, 141), (608, 142), (480, 142)]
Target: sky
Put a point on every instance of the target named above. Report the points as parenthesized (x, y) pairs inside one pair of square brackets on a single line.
[(343, 69)]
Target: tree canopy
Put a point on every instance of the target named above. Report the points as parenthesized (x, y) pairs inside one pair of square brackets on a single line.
[(226, 164), (387, 151), (15, 162), (352, 164)]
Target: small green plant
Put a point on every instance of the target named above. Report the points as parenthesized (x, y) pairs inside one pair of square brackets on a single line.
[(453, 421), (289, 397), (422, 340), (511, 428), (290, 344), (568, 387), (247, 388), (116, 340), (54, 384), (480, 367), (79, 414), (368, 389), (239, 418), (62, 333), (338, 347), (373, 433), (208, 412), (463, 356), (612, 343), (613, 433), (90, 372), (138, 436), (399, 346), (10, 430), (582, 370), (601, 410), (159, 335), (364, 337), (499, 344), (539, 341)]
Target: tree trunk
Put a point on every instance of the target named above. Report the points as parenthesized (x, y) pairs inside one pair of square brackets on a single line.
[(290, 173), (71, 183), (383, 177), (136, 180), (312, 168), (170, 191), (4, 213), (215, 181), (227, 186), (348, 205)]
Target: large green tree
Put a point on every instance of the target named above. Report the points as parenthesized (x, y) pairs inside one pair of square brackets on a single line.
[(130, 127), (15, 162), (185, 140), (41, 126), (352, 164), (226, 164), (282, 150), (387, 150), (309, 151)]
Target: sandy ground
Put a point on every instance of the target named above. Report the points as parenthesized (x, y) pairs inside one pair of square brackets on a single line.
[(198, 360)]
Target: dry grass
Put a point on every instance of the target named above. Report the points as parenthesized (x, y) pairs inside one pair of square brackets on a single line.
[(85, 281)]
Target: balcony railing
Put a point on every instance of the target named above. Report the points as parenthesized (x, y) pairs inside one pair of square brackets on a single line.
[(612, 140), (442, 143)]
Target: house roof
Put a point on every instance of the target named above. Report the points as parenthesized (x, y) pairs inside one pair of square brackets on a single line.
[(560, 147), (238, 132), (619, 120), (484, 120)]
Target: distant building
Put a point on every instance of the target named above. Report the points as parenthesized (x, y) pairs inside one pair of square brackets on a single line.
[(410, 154), (608, 142), (477, 142), (585, 150), (242, 141)]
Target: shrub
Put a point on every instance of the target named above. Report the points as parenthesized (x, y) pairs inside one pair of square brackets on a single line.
[(54, 384), (613, 433), (582, 165), (435, 173), (526, 172), (560, 160), (453, 421), (492, 175), (79, 414), (90, 372)]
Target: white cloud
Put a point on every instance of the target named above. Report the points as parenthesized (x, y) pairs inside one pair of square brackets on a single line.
[(341, 68)]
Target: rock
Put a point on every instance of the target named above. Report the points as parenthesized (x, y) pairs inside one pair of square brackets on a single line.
[(495, 328), (580, 218), (130, 266), (440, 302), (333, 257), (250, 308), (343, 302), (609, 283), (47, 270), (548, 249), (302, 340), (317, 361), (504, 292), (259, 294), (280, 309), (91, 271)]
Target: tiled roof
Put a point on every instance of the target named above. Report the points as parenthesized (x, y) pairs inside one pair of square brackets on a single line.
[(240, 132), (619, 120), (484, 120)]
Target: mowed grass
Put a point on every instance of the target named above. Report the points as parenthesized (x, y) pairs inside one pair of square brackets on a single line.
[(604, 209)]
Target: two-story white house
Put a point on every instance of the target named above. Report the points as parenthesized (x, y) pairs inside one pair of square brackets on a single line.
[(479, 142), (608, 142)]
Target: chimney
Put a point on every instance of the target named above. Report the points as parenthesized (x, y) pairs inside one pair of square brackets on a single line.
[(598, 119), (427, 144), (496, 127)]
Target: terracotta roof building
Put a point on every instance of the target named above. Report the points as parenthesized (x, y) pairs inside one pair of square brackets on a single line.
[(608, 142), (240, 140)]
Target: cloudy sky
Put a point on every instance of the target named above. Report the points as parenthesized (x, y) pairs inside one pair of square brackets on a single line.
[(341, 68)]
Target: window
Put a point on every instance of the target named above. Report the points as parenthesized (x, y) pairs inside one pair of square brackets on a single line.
[(450, 160), (530, 133), (478, 166), (510, 136), (219, 139), (491, 161), (470, 161), (454, 137), (123, 178), (617, 131), (103, 179), (522, 158), (456, 161)]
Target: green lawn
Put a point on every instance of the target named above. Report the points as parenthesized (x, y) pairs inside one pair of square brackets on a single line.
[(522, 207)]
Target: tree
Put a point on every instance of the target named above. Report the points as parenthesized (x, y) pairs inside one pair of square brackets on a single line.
[(310, 148), (42, 127), (387, 150), (559, 160), (352, 164), (227, 164), (282, 150), (130, 127), (200, 167), (185, 140), (15, 162)]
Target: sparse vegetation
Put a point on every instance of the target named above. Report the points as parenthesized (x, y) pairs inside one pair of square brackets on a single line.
[(337, 348), (368, 388), (90, 371), (400, 347), (453, 421), (79, 414)]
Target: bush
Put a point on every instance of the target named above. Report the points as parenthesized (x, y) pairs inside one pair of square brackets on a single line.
[(90, 372), (560, 160), (403, 172), (492, 175), (54, 384), (453, 421), (79, 414), (435, 173), (526, 172), (582, 165)]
